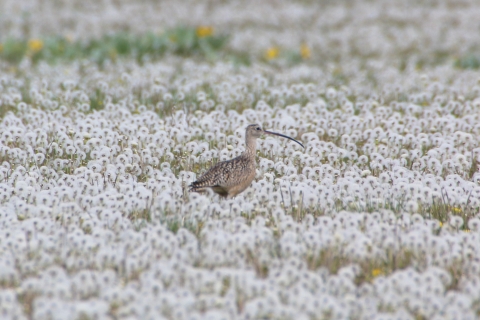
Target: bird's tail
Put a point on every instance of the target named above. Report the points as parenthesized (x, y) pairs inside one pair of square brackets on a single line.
[(197, 187)]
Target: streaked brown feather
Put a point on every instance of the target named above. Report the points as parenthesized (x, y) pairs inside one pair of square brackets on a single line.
[(225, 175)]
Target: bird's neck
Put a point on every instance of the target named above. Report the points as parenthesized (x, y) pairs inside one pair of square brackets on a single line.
[(251, 147)]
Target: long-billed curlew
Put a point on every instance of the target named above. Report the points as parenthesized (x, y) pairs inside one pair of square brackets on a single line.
[(229, 178)]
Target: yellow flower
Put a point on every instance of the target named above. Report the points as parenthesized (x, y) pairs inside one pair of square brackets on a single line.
[(204, 31), (35, 45), (457, 209), (376, 272), (440, 223), (305, 51), (272, 53)]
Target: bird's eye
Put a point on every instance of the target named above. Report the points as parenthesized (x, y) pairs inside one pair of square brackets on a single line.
[(258, 129)]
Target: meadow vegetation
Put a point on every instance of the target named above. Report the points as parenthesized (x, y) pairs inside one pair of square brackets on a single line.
[(100, 135)]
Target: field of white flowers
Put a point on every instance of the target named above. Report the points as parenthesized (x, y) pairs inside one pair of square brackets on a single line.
[(377, 218)]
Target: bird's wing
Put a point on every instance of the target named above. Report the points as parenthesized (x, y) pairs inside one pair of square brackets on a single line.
[(223, 174)]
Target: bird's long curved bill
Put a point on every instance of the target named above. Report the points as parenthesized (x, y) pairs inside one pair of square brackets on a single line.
[(281, 135)]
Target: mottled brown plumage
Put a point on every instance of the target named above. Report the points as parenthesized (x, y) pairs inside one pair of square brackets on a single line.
[(231, 177)]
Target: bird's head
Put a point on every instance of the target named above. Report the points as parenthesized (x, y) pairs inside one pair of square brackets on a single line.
[(256, 131)]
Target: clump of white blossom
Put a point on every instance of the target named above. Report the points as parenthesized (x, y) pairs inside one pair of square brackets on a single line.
[(377, 218)]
